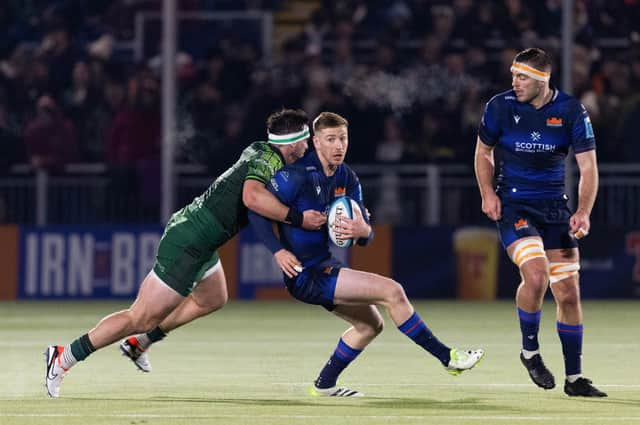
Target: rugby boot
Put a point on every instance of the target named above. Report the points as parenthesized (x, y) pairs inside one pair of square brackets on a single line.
[(540, 375), (334, 391), (54, 371), (131, 348), (462, 360), (582, 387)]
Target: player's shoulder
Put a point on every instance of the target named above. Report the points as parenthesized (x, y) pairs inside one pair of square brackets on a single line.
[(502, 99), (569, 103), (347, 170), (295, 169), (263, 152)]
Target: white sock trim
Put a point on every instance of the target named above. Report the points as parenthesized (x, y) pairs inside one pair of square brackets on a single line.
[(67, 359), (573, 378), (529, 354)]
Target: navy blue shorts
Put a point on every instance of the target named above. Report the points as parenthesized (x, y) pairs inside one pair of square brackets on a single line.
[(547, 218), (316, 284)]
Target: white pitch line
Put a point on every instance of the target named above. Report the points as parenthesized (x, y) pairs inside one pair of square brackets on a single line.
[(417, 384), (583, 419)]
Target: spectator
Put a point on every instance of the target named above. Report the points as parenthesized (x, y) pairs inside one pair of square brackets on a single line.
[(50, 138), (133, 147), (11, 146)]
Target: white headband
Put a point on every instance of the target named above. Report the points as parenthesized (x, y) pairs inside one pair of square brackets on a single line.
[(536, 74), (286, 139)]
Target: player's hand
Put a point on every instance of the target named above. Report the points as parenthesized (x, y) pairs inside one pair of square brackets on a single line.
[(352, 228), (579, 224), (313, 220), (492, 206), (288, 263)]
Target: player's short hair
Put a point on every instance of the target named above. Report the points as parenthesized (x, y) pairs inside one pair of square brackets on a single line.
[(329, 120), (287, 121), (535, 57)]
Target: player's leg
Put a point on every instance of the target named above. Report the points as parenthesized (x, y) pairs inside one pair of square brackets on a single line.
[(210, 294), (154, 302), (529, 255), (564, 266), (366, 323), (355, 287)]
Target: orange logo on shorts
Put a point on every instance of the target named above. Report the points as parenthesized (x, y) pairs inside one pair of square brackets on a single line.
[(521, 224)]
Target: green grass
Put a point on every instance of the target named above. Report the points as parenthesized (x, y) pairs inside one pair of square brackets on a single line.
[(252, 363)]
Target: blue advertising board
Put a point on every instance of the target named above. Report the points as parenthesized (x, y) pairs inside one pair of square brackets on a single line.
[(85, 262)]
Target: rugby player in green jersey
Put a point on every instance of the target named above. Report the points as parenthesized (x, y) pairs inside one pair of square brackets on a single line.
[(187, 280)]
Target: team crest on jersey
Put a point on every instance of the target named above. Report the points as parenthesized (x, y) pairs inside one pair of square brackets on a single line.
[(521, 224), (535, 136), (516, 118), (340, 191), (554, 122)]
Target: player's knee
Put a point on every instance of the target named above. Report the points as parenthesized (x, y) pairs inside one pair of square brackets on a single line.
[(395, 293), (369, 330), (210, 304), (537, 281), (567, 292)]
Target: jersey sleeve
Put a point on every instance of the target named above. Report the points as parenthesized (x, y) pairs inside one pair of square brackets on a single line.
[(489, 129), (263, 166), (285, 185), (582, 137)]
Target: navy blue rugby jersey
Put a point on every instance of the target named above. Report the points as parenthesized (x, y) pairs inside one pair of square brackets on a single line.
[(304, 185), (532, 143)]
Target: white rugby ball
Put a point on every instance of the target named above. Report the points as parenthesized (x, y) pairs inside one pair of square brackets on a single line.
[(343, 206)]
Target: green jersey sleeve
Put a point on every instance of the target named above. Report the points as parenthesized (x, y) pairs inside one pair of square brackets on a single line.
[(264, 165)]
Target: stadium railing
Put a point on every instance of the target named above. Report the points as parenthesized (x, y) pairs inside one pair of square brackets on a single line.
[(415, 194)]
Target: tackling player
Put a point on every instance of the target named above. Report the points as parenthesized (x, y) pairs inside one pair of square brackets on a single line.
[(533, 126), (314, 182), (187, 280)]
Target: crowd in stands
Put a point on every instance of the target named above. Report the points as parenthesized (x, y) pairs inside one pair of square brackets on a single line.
[(412, 76)]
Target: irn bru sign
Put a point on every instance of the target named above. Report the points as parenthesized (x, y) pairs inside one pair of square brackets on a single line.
[(78, 262)]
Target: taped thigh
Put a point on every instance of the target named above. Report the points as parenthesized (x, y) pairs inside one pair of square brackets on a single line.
[(560, 271), (526, 250)]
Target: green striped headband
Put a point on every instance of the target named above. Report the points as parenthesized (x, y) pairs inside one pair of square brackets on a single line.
[(286, 139)]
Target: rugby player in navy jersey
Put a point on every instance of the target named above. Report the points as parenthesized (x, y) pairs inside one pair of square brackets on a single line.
[(533, 126), (313, 276)]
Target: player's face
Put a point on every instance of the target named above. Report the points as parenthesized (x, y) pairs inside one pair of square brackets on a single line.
[(526, 88), (331, 145)]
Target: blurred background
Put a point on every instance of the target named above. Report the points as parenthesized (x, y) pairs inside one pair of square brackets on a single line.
[(102, 136)]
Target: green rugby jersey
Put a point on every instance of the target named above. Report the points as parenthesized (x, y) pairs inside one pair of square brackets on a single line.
[(259, 161)]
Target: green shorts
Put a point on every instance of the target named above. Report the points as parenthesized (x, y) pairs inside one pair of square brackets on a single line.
[(188, 248)]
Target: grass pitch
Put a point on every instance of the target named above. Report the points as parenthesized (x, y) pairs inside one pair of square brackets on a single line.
[(252, 363)]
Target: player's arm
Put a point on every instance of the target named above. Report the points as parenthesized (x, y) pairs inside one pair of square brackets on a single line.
[(263, 228), (484, 167), (284, 190), (587, 191), (256, 197), (359, 227)]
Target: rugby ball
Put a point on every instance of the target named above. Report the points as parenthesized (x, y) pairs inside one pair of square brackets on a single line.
[(341, 207)]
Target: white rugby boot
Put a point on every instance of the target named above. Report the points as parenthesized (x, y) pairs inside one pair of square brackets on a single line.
[(334, 392), (462, 360), (131, 349), (54, 371)]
